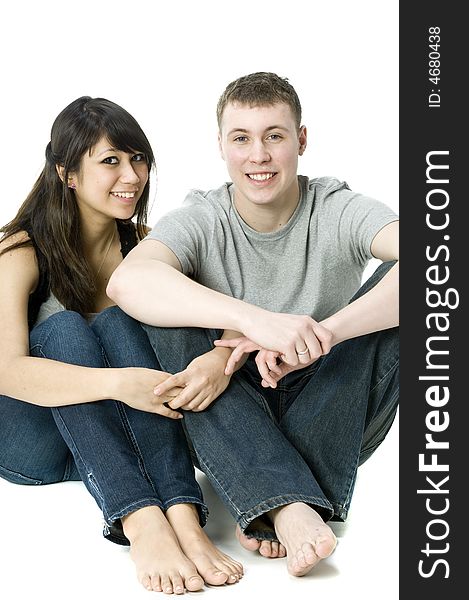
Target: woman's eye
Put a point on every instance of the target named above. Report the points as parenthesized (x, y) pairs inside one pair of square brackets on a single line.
[(139, 157), (111, 160)]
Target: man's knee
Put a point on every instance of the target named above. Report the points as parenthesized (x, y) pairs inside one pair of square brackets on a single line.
[(376, 277)]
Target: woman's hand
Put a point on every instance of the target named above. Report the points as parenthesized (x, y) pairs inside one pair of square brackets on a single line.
[(135, 387), (203, 380)]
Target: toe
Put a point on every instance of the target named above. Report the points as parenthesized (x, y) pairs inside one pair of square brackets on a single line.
[(248, 543), (156, 583), (214, 576), (194, 583), (274, 549), (310, 555), (166, 585), (146, 582), (232, 579), (178, 585), (265, 549), (325, 546)]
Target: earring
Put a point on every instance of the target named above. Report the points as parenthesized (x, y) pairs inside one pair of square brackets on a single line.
[(72, 186)]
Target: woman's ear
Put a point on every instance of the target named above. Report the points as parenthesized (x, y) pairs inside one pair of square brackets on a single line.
[(60, 171)]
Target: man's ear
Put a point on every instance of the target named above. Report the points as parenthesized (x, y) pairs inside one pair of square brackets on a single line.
[(220, 148), (302, 138)]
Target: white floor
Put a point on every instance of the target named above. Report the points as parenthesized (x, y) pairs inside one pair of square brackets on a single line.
[(52, 546)]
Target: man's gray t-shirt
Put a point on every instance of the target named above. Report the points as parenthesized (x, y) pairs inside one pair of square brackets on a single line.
[(312, 265)]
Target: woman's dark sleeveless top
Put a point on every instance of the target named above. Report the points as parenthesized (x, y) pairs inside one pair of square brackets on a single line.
[(128, 240)]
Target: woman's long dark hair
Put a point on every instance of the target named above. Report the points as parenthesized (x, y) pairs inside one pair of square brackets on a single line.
[(50, 213)]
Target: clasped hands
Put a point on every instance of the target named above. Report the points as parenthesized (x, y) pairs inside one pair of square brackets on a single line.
[(286, 343)]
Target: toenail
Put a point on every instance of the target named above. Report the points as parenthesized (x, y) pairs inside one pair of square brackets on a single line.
[(219, 573)]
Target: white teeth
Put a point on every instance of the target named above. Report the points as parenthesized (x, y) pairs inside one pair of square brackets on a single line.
[(124, 194), (261, 176)]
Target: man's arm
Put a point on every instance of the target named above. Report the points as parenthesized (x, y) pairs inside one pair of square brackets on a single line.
[(376, 310), (149, 286), (379, 308)]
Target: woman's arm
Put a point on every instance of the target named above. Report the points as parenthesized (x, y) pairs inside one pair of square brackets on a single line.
[(47, 382)]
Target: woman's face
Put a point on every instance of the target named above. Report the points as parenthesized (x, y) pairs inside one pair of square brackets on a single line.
[(110, 182)]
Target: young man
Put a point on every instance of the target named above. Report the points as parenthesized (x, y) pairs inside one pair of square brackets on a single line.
[(281, 423)]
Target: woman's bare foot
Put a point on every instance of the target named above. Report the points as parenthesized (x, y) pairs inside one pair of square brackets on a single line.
[(214, 566), (161, 564), (305, 536), (267, 548)]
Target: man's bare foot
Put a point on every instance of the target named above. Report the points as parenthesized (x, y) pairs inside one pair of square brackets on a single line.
[(267, 548), (161, 564), (305, 536), (214, 566)]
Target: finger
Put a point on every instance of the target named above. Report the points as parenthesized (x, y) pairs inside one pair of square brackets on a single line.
[(165, 411), (188, 395), (176, 380), (304, 354), (290, 357), (246, 344), (232, 343), (173, 393), (225, 343), (272, 362), (196, 402), (283, 369), (264, 369), (324, 336), (205, 404), (314, 349), (235, 357)]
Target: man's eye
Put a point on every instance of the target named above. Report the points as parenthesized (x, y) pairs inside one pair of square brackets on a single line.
[(240, 138), (275, 137), (111, 160)]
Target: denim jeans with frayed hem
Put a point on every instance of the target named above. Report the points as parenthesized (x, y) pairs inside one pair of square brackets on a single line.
[(128, 459), (301, 442)]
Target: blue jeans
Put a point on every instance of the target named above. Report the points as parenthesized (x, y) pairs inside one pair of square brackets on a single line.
[(127, 458), (301, 442)]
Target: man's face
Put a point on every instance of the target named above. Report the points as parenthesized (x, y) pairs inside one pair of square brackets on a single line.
[(260, 146)]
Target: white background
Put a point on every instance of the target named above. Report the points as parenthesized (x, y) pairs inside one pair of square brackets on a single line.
[(167, 64)]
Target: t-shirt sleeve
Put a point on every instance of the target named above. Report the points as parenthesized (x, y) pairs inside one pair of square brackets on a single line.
[(184, 231), (360, 219)]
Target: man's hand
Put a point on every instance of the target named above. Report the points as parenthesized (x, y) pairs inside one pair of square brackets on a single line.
[(203, 380), (298, 339), (269, 363)]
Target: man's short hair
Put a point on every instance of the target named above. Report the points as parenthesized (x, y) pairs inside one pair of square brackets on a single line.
[(260, 89)]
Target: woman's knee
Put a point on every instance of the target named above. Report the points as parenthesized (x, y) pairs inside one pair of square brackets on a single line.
[(66, 336), (123, 339)]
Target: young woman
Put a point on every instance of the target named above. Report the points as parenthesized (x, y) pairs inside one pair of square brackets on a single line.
[(76, 374)]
